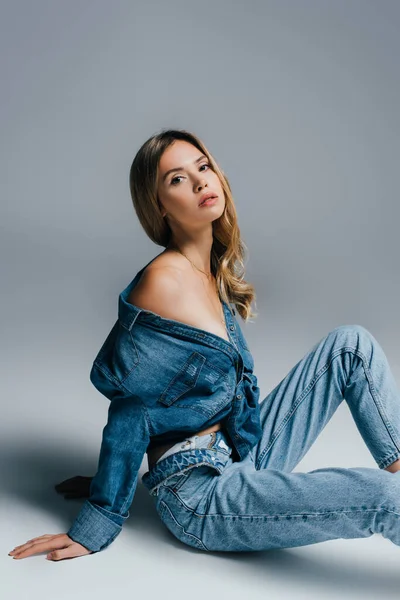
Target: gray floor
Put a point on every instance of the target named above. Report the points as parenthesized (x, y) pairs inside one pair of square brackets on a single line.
[(146, 560)]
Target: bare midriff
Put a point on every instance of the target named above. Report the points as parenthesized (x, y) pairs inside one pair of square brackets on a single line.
[(155, 453)]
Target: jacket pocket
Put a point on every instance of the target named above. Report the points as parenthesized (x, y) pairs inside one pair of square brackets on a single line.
[(198, 386), (184, 380)]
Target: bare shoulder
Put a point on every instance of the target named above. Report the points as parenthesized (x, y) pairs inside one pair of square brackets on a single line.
[(161, 289)]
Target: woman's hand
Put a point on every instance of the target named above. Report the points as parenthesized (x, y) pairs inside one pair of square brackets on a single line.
[(74, 487), (60, 545)]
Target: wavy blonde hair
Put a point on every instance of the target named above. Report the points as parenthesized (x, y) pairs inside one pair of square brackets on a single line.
[(227, 252)]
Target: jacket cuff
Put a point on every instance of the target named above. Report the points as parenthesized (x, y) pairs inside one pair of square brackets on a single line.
[(93, 529)]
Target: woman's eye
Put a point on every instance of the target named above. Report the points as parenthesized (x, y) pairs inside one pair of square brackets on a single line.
[(178, 176)]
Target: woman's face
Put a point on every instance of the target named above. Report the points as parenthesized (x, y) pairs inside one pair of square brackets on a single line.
[(180, 191)]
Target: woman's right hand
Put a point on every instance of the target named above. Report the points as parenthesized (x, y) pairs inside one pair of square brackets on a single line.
[(74, 487), (59, 546)]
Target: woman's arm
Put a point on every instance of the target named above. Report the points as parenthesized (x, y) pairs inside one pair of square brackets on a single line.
[(124, 442)]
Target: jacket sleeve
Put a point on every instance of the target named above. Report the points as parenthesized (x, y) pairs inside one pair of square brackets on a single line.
[(124, 442)]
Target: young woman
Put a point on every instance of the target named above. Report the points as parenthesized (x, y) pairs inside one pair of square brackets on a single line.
[(179, 376)]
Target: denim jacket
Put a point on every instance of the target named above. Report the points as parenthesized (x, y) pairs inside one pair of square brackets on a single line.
[(165, 380)]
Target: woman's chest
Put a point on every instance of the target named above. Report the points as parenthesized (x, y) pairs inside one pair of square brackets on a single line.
[(199, 306)]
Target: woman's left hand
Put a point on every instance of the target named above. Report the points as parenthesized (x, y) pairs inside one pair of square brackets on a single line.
[(60, 546)]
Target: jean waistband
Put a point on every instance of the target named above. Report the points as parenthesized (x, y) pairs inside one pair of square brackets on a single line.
[(208, 440), (213, 449)]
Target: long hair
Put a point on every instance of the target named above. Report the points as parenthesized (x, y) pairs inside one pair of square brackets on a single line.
[(227, 252)]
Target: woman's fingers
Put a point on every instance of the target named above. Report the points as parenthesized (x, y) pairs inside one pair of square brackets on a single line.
[(40, 544), (59, 546), (40, 537)]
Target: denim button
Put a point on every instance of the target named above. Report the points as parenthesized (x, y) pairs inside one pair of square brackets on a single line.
[(238, 396), (232, 327)]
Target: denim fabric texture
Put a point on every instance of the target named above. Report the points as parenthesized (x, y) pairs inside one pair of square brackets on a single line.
[(193, 451), (235, 490), (258, 503), (165, 380)]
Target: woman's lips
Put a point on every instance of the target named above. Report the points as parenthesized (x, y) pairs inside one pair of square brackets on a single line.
[(209, 202)]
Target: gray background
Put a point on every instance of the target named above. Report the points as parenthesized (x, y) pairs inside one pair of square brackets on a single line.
[(298, 101)]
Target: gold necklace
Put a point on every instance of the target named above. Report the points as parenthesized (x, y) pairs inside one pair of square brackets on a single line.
[(208, 275)]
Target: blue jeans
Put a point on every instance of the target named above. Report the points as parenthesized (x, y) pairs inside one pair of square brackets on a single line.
[(259, 503)]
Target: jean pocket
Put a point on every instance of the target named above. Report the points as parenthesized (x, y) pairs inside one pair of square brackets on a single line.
[(176, 481), (193, 494), (177, 529)]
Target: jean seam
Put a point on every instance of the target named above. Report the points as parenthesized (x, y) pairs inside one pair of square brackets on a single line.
[(276, 517), (388, 460), (293, 408), (378, 401), (164, 507), (310, 386)]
